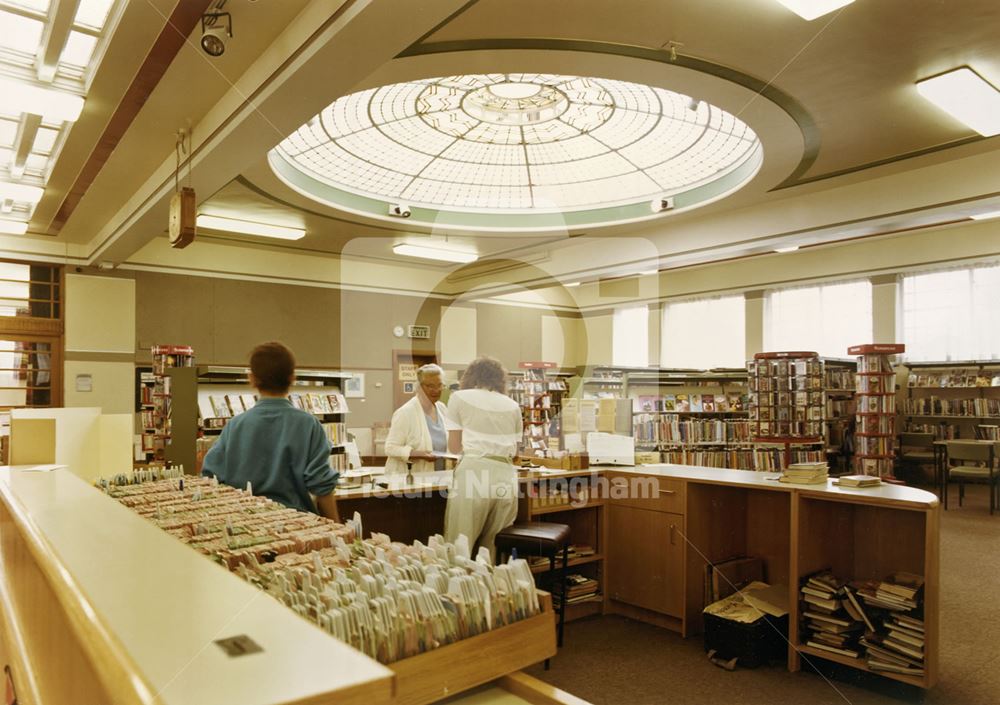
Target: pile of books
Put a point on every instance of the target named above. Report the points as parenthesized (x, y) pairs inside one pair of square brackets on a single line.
[(858, 481), (387, 599), (807, 473), (831, 618), (879, 620), (580, 588)]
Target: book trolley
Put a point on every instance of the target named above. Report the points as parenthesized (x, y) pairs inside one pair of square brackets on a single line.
[(876, 409)]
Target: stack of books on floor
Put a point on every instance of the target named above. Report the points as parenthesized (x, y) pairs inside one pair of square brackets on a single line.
[(574, 551), (828, 623), (859, 481), (898, 645), (806, 473), (580, 588)]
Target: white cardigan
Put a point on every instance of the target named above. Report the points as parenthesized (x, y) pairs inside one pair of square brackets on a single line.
[(408, 432)]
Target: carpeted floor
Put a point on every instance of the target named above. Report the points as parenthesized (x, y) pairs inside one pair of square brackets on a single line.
[(616, 660)]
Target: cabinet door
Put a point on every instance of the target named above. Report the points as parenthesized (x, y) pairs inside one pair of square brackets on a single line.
[(646, 559)]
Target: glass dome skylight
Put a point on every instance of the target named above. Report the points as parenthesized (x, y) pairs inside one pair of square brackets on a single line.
[(518, 144)]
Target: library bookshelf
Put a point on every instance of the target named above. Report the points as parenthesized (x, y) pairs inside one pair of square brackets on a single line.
[(538, 388), (949, 399), (787, 404), (875, 399)]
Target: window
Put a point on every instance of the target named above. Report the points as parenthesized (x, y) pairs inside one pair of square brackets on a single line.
[(828, 318), (630, 337), (704, 333), (952, 314)]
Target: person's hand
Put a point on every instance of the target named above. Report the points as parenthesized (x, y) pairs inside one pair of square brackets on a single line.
[(421, 455)]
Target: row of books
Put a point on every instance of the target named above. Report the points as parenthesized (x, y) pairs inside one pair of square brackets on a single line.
[(537, 387), (573, 552), (877, 424), (759, 459), (788, 398), (786, 384), (875, 384), (785, 367), (880, 404), (951, 407), (942, 431), (653, 429), (693, 403), (226, 406), (953, 378), (787, 429), (874, 362), (838, 408), (336, 433), (787, 413), (839, 378), (387, 599), (873, 445), (878, 620)]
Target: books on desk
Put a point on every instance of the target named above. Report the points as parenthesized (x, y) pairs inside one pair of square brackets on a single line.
[(805, 473), (858, 481)]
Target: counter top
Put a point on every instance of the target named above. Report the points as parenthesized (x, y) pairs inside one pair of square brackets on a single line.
[(98, 555), (896, 495)]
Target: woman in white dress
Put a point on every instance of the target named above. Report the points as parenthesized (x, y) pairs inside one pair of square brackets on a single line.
[(418, 429), (486, 427)]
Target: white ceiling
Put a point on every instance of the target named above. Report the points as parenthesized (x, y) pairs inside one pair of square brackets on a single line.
[(849, 146)]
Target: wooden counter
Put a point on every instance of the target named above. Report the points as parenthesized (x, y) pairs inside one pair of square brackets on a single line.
[(655, 528)]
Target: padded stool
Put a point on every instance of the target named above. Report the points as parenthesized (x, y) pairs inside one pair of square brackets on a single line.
[(540, 539)]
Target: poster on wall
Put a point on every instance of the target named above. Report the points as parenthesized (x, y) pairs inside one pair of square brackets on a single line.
[(354, 386)]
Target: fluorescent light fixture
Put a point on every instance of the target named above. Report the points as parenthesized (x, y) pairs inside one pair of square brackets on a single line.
[(22, 193), (10, 227), (965, 96), (434, 252), (572, 284), (54, 106), (986, 216), (647, 272), (790, 248), (811, 9), (246, 227)]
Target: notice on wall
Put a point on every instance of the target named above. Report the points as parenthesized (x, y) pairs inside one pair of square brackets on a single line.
[(84, 383), (407, 372)]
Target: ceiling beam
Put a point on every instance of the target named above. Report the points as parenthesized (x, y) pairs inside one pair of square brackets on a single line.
[(54, 36), (27, 130), (179, 25)]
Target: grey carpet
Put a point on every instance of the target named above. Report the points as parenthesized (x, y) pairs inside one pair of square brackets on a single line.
[(615, 660)]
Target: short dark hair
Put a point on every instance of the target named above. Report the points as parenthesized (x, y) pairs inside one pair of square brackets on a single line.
[(273, 364), (485, 373)]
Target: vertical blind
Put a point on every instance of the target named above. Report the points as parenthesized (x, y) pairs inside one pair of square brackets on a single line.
[(630, 336), (704, 333), (828, 318), (952, 314)]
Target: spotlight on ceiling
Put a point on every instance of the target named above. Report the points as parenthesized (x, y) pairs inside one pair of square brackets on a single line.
[(216, 28)]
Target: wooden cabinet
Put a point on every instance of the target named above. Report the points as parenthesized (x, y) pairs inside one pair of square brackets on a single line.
[(646, 569)]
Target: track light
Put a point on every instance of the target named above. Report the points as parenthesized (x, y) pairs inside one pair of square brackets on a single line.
[(216, 28)]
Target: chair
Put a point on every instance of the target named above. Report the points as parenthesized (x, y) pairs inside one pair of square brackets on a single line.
[(971, 462), (540, 539), (916, 449)]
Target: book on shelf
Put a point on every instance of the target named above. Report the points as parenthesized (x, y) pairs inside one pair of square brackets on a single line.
[(708, 403)]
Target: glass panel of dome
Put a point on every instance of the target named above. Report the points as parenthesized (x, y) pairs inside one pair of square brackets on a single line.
[(78, 50), (22, 34), (93, 13), (45, 140)]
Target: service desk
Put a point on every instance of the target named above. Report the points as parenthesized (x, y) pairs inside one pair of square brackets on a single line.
[(655, 528)]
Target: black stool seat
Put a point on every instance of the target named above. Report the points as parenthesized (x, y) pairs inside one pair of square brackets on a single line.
[(537, 538), (540, 538)]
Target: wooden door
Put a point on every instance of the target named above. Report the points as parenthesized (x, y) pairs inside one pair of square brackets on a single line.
[(646, 559), (403, 388)]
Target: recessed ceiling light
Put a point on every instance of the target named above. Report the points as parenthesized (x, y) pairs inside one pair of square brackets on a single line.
[(54, 106), (436, 253), (22, 193), (232, 225), (11, 227), (967, 97), (790, 248), (986, 216), (811, 9)]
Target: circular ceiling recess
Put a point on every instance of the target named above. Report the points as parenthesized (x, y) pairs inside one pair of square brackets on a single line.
[(518, 151)]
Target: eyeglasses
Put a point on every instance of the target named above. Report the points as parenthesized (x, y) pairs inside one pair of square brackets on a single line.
[(432, 386)]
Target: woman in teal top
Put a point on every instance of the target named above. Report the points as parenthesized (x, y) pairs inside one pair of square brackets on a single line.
[(281, 451)]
